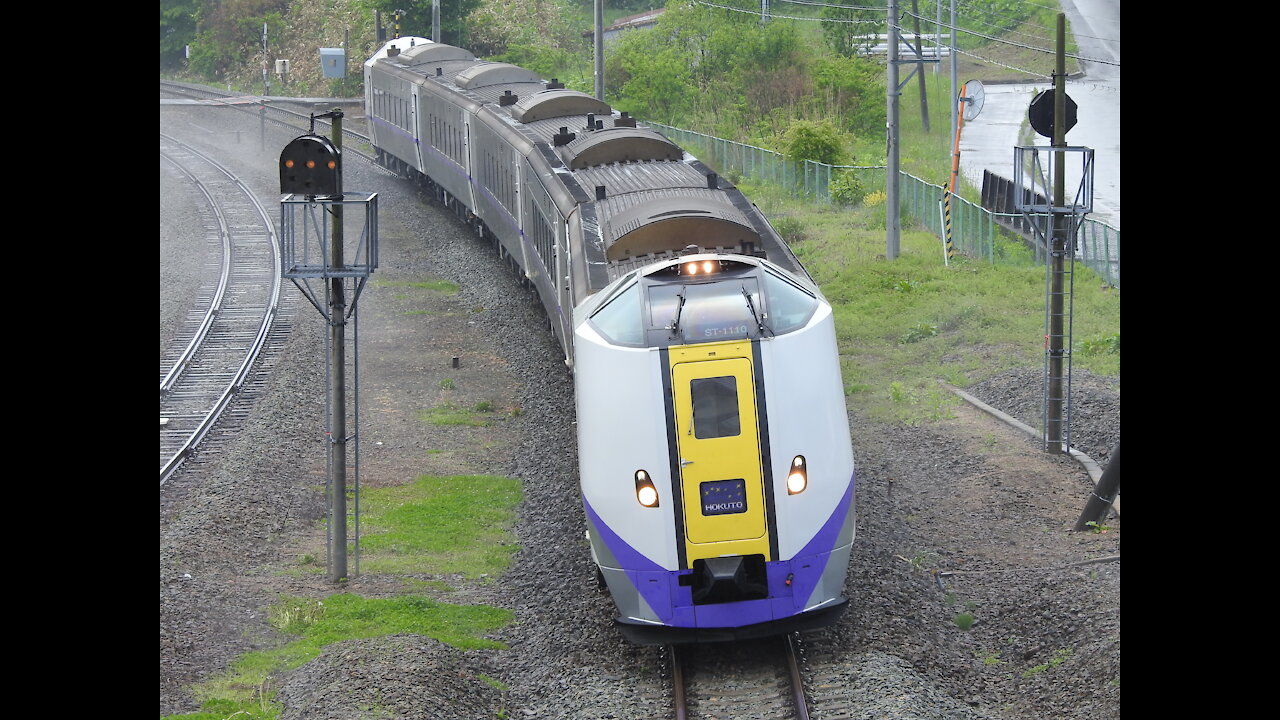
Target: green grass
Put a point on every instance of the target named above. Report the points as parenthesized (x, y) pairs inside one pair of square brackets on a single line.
[(243, 691), (440, 525), (435, 526), (1059, 656), (479, 415), (440, 286), (904, 324)]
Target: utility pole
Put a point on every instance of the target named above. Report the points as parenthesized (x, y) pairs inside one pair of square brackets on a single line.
[(338, 388), (435, 20), (892, 222), (266, 82), (599, 47), (1099, 504), (924, 100), (955, 83), (1057, 257)]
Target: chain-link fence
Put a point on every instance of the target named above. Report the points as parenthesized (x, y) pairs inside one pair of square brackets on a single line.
[(974, 230)]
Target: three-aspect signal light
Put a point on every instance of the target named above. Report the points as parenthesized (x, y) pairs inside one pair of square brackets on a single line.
[(646, 493), (311, 165), (703, 267), (798, 476)]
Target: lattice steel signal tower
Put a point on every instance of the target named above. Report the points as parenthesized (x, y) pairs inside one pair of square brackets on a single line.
[(1057, 222), (314, 235)]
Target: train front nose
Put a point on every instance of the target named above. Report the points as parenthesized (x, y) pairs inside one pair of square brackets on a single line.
[(729, 579)]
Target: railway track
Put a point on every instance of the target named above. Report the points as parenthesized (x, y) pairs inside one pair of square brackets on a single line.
[(213, 355), (758, 679), (354, 142)]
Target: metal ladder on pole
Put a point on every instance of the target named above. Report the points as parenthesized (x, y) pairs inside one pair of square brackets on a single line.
[(1034, 166)]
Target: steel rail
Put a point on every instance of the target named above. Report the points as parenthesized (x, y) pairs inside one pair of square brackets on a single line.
[(677, 682), (210, 94), (184, 358), (254, 348), (797, 684), (790, 656)]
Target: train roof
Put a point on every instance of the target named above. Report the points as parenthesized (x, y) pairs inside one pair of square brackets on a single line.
[(558, 102), (397, 46), (652, 199)]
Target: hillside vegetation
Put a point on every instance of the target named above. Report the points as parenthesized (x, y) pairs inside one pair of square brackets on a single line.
[(797, 84), (720, 71)]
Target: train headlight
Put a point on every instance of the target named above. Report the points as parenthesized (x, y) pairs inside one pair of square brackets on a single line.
[(646, 493), (691, 268), (708, 266), (797, 476)]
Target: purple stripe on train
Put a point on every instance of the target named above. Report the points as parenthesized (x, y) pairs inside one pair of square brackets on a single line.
[(673, 604)]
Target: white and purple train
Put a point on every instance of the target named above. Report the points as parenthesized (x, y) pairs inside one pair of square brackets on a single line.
[(716, 469)]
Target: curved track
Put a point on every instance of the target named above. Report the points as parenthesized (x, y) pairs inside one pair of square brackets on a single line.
[(279, 115), (222, 337)]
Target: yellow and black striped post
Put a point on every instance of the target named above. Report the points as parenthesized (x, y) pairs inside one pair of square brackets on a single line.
[(955, 174), (946, 223)]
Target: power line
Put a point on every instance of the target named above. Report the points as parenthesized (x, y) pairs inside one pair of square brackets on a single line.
[(992, 38), (984, 36), (972, 9), (883, 8), (757, 13)]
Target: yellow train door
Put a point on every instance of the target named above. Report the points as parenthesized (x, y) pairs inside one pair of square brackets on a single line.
[(718, 441)]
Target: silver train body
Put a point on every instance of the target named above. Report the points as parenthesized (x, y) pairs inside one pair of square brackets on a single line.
[(716, 469)]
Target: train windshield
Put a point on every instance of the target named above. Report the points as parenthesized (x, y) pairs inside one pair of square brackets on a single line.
[(739, 302), (790, 306), (729, 309), (619, 318)]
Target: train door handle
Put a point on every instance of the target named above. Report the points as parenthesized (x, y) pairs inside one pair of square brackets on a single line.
[(684, 462)]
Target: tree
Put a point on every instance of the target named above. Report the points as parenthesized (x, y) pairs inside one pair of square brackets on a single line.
[(177, 30), (853, 89), (228, 31), (848, 30), (417, 18)]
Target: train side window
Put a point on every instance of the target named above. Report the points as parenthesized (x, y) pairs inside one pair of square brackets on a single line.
[(715, 407)]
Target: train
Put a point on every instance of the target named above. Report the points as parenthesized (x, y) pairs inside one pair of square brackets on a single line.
[(715, 463)]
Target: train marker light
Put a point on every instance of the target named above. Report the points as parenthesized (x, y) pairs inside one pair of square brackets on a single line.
[(798, 478)]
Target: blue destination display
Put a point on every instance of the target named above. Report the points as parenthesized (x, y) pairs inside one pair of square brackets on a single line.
[(724, 497)]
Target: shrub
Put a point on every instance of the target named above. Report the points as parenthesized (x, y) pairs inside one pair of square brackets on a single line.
[(846, 189), (817, 141), (791, 229)]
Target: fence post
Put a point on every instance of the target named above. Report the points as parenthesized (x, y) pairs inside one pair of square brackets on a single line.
[(991, 238)]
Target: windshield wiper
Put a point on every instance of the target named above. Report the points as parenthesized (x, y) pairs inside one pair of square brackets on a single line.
[(675, 323), (752, 307)]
